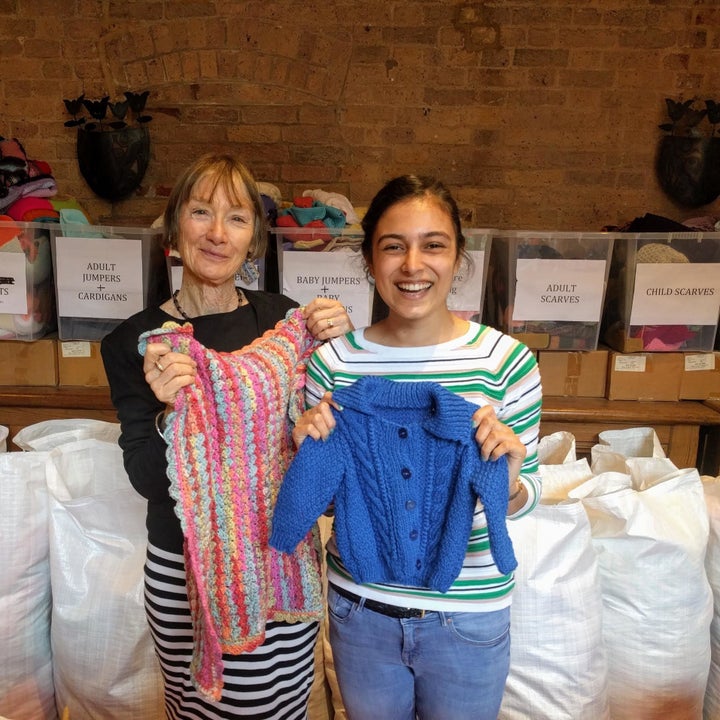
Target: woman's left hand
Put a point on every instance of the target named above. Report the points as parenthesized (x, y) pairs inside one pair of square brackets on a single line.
[(326, 318), (496, 439)]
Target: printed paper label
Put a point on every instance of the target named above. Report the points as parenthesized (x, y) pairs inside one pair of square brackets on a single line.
[(338, 275), (559, 290), (13, 284), (676, 294), (630, 363), (99, 277)]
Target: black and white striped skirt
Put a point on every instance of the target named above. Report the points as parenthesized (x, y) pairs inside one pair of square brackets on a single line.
[(270, 683)]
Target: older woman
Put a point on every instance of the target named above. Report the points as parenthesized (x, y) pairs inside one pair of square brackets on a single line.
[(215, 219)]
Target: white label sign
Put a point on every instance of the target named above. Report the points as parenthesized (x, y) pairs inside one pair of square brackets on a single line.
[(466, 293), (566, 290), (339, 275), (99, 278), (13, 284), (676, 294)]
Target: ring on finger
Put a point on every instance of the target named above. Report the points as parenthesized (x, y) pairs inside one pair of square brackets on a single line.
[(330, 322), (159, 366)]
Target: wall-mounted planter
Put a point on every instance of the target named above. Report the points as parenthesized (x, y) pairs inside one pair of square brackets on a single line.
[(688, 169), (113, 162)]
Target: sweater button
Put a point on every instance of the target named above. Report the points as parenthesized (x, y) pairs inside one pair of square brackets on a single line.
[(413, 534), (405, 472), (403, 433), (410, 505)]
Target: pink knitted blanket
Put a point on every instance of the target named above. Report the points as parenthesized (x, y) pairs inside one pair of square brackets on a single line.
[(229, 445)]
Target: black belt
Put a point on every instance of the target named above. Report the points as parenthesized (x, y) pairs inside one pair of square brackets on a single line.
[(393, 611)]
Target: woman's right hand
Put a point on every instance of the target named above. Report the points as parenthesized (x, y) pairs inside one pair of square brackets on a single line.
[(166, 372), (317, 422)]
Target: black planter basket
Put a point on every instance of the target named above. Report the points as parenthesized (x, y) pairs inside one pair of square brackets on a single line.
[(688, 169), (113, 163)]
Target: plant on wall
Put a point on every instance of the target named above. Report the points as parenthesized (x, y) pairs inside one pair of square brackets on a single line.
[(113, 151), (687, 163)]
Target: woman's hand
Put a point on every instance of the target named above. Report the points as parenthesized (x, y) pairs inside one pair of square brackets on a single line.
[(326, 318), (496, 439), (167, 371), (317, 422)]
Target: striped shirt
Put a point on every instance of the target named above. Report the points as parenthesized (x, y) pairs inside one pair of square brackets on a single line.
[(486, 367)]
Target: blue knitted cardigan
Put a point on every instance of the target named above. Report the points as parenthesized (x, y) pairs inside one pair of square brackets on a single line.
[(405, 471)]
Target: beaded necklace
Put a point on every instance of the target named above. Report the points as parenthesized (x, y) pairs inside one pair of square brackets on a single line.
[(176, 302)]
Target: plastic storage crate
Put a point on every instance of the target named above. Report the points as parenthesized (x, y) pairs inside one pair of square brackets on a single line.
[(548, 288), (324, 262), (27, 291), (664, 292), (104, 275)]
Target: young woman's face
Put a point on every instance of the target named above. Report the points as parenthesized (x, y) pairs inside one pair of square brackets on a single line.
[(215, 235), (414, 258)]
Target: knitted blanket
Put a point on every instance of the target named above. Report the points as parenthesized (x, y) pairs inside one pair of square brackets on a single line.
[(229, 445)]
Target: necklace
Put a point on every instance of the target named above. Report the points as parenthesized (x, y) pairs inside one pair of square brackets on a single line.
[(176, 302)]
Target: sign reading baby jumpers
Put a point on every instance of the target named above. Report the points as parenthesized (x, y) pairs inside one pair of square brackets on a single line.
[(559, 290), (99, 278), (13, 284), (338, 275), (676, 294)]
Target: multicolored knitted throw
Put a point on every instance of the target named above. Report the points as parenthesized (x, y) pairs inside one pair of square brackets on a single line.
[(229, 445)]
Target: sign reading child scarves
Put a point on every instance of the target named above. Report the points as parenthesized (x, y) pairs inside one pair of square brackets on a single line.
[(99, 278), (676, 294)]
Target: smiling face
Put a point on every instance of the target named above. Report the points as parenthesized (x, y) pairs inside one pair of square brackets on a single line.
[(414, 257), (215, 232)]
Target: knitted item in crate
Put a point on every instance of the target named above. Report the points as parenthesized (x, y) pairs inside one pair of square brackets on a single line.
[(229, 445)]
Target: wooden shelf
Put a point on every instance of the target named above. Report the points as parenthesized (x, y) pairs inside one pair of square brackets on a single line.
[(689, 431)]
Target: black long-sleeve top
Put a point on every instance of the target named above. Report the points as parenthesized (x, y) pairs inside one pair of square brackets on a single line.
[(137, 406)]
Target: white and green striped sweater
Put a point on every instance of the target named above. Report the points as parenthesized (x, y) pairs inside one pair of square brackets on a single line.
[(485, 366)]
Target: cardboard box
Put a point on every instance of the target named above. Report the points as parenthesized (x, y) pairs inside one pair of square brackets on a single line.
[(28, 363), (79, 363), (574, 374), (700, 379), (644, 376)]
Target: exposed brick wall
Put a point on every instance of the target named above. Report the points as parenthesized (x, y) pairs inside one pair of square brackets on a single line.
[(538, 113)]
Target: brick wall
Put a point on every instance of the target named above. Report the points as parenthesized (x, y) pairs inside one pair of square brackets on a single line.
[(538, 113)]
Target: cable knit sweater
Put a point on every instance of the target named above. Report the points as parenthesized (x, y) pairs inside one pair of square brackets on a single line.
[(405, 471), (229, 444)]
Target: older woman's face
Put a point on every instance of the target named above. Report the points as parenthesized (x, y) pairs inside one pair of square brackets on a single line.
[(215, 234)]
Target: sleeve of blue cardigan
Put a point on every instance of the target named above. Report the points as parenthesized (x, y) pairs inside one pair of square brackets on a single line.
[(306, 491)]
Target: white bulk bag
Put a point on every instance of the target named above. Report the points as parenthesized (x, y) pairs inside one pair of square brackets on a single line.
[(711, 710), (104, 663), (48, 434), (3, 438), (657, 602), (558, 669), (26, 682), (557, 448)]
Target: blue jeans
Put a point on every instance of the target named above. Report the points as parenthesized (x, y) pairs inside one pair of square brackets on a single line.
[(444, 666)]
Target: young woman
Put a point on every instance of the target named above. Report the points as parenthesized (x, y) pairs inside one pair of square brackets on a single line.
[(216, 220), (407, 652)]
